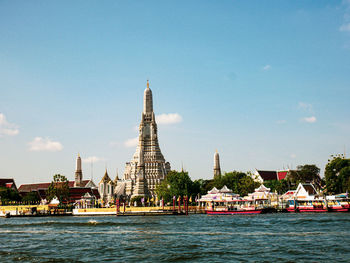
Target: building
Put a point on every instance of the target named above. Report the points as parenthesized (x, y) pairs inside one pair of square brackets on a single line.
[(262, 176), (306, 191), (106, 188), (148, 167), (8, 183), (217, 169), (223, 194), (77, 188)]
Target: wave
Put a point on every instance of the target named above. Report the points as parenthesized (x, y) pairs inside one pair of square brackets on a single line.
[(77, 224)]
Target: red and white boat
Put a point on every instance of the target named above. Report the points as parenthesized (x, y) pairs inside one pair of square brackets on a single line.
[(339, 205), (307, 206), (237, 207)]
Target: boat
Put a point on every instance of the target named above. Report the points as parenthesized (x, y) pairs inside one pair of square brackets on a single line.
[(339, 205), (307, 206), (238, 206)]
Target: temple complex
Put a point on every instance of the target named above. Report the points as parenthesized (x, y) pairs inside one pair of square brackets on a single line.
[(147, 168)]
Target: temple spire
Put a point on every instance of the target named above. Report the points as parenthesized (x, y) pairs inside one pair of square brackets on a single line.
[(147, 100), (217, 169), (78, 173)]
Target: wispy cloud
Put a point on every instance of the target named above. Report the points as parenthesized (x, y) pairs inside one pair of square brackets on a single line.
[(281, 121), (7, 128), (131, 142), (44, 144), (168, 118), (344, 27), (311, 119), (93, 159), (266, 67), (305, 106)]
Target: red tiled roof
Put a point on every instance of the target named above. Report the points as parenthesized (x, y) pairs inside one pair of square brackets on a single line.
[(33, 187), (78, 192), (45, 186), (281, 175)]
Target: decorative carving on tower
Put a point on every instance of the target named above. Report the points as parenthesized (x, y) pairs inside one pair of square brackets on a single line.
[(217, 169), (148, 167)]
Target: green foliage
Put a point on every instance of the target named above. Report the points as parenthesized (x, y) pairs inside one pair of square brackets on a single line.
[(31, 197), (9, 194), (308, 173), (337, 175), (58, 188), (238, 182), (280, 186), (177, 184), (202, 186)]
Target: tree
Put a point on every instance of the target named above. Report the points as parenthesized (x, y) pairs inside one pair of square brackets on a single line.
[(176, 184), (337, 175), (280, 186), (58, 188), (238, 182), (31, 197), (9, 194), (308, 173), (203, 186)]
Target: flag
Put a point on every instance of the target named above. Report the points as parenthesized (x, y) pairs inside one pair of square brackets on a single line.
[(179, 198), (152, 199), (190, 200), (174, 197)]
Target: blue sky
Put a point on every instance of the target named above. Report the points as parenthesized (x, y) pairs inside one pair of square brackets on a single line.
[(267, 83)]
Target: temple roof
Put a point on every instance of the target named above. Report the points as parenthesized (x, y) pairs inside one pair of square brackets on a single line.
[(268, 175), (45, 186), (7, 182), (105, 178)]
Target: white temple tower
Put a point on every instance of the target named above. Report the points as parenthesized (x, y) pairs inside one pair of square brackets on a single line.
[(78, 174), (147, 167), (217, 169)]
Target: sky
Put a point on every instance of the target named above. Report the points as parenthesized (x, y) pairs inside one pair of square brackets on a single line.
[(266, 83)]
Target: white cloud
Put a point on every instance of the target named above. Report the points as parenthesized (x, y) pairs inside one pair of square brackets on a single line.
[(281, 121), (344, 27), (266, 67), (93, 159), (7, 128), (44, 144), (305, 106), (131, 142), (311, 119), (169, 118)]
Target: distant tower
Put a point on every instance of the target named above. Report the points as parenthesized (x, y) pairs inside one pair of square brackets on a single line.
[(217, 170), (78, 173)]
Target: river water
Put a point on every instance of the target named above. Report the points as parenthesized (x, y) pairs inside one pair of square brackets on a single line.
[(195, 238)]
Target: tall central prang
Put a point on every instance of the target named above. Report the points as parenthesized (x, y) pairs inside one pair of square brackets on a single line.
[(148, 167)]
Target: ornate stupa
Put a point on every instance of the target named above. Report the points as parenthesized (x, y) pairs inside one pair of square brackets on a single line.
[(147, 167)]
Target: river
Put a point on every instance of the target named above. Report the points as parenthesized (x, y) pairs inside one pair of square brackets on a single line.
[(194, 238)]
